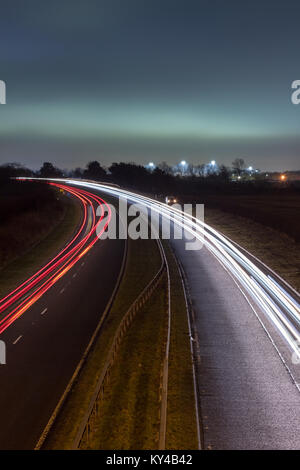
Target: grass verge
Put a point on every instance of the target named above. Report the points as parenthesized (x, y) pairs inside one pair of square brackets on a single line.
[(276, 208), (143, 261), (181, 416), (279, 251), (129, 414)]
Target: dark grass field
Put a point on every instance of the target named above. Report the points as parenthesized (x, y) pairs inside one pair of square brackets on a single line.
[(277, 209), (28, 211), (35, 222), (264, 220), (279, 251)]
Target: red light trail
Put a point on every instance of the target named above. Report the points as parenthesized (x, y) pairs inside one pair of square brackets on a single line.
[(57, 267)]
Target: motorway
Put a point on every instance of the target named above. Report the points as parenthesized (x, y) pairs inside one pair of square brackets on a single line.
[(246, 330), (47, 328)]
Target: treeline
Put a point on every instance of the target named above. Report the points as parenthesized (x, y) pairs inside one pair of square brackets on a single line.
[(274, 204), (162, 180)]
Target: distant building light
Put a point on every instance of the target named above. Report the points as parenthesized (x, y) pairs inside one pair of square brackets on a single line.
[(183, 163), (283, 177), (151, 166), (250, 168), (213, 162)]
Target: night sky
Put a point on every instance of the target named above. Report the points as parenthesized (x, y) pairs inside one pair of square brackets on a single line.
[(141, 80)]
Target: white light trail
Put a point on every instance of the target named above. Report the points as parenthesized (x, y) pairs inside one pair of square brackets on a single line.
[(278, 305)]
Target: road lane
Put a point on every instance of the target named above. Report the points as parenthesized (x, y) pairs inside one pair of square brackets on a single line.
[(55, 332), (248, 400)]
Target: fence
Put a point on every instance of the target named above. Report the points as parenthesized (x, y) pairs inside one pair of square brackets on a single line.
[(103, 382)]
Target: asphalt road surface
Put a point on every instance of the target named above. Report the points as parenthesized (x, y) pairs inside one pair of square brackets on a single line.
[(248, 399), (46, 343), (246, 326)]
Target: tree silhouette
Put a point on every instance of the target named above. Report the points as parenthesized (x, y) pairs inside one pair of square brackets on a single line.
[(48, 170), (238, 165), (94, 171)]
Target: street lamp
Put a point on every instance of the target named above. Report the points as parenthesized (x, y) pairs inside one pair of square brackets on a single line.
[(150, 166), (213, 162), (183, 165)]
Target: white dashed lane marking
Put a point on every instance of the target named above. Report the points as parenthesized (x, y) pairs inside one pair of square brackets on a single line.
[(44, 311), (62, 291), (18, 339)]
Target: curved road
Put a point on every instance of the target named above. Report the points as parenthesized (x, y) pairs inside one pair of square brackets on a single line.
[(246, 327), (247, 323), (45, 344)]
